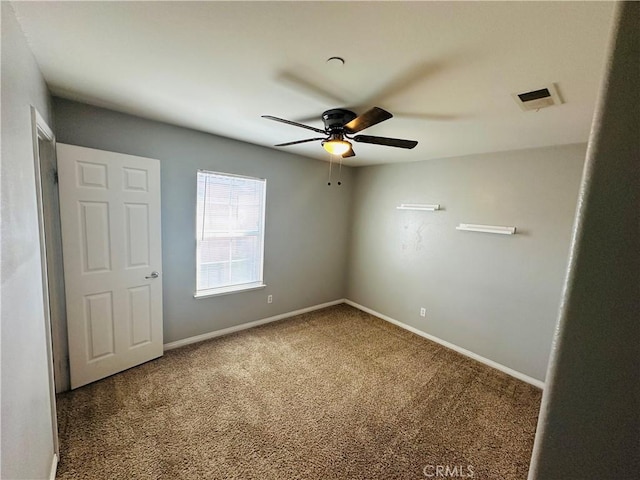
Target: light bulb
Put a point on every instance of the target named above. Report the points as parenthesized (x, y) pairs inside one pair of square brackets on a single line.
[(336, 147)]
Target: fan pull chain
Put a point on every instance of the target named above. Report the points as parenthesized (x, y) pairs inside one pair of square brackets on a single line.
[(339, 170)]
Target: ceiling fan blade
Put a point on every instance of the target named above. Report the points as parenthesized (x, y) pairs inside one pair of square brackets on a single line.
[(389, 142), (309, 118), (295, 124), (367, 119), (350, 153), (436, 117), (310, 88), (405, 81), (299, 141), (314, 118)]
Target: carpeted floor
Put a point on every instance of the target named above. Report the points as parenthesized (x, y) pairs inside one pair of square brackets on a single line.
[(332, 394)]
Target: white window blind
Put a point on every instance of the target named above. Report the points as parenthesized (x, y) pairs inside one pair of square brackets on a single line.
[(229, 232)]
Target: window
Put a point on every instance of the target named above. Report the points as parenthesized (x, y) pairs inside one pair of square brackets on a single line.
[(229, 232)]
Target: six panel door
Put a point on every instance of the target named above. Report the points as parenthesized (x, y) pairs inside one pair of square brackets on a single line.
[(111, 240)]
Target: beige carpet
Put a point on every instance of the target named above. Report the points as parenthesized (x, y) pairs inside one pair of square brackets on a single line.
[(333, 394)]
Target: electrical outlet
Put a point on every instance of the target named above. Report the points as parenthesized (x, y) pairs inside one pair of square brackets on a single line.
[(423, 312), (269, 298)]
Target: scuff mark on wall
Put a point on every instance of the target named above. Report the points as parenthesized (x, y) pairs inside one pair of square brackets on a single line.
[(412, 237)]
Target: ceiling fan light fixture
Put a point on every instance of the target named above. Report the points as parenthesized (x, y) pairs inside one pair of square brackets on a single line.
[(336, 147)]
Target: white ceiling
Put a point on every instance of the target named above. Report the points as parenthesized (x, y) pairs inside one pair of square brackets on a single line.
[(445, 69)]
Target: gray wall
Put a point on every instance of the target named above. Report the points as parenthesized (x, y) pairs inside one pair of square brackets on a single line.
[(27, 438), (495, 295), (589, 426), (55, 267), (306, 237)]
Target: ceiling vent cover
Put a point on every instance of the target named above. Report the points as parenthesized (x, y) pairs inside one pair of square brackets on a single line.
[(539, 98)]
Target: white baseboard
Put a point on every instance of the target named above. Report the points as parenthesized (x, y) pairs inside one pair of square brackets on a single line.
[(245, 326), (444, 343), (54, 467)]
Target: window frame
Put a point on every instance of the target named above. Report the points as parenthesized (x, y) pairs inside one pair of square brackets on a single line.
[(242, 287)]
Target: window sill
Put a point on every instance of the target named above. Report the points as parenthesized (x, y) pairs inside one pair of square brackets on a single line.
[(216, 292)]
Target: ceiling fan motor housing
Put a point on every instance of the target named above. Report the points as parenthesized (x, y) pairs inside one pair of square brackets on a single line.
[(337, 118)]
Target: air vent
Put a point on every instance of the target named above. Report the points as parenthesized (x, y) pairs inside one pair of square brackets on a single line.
[(540, 98)]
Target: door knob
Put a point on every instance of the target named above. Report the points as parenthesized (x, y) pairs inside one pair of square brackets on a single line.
[(153, 275)]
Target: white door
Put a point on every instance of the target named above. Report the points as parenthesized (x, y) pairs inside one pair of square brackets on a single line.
[(110, 214)]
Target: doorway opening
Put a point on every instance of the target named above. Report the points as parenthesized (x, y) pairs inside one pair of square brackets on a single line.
[(51, 259)]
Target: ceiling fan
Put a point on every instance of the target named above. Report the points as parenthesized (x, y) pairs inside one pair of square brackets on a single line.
[(339, 126)]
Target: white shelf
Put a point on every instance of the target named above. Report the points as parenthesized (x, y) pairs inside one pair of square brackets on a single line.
[(468, 227), (419, 206)]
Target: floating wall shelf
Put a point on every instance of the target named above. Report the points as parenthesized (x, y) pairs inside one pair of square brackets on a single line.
[(418, 206), (468, 227)]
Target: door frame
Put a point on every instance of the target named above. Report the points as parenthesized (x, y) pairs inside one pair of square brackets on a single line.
[(42, 131)]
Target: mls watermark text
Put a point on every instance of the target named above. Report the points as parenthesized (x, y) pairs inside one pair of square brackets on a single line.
[(448, 471)]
